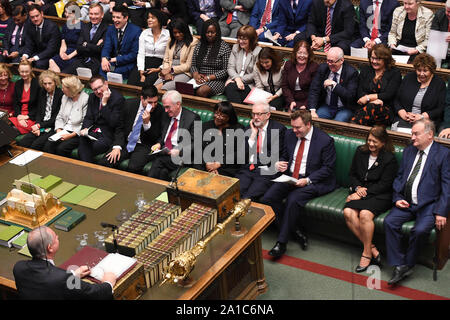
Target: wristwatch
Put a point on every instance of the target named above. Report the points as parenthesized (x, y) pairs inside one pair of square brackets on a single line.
[(324, 40)]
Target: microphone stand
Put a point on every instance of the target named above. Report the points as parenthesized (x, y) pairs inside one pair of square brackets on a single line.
[(174, 181), (114, 229)]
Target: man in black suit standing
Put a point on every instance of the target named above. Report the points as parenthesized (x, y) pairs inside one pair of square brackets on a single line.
[(177, 136), (263, 148), (310, 158), (333, 90), (331, 23), (90, 42), (42, 39), (103, 124), (40, 279), (14, 39), (142, 129)]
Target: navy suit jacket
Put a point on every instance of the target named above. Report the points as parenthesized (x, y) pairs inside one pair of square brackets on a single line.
[(346, 88), (321, 161), (108, 119), (194, 9), (288, 22), (7, 45), (50, 40), (367, 11), (91, 50), (127, 54), (258, 11), (38, 280), (434, 185)]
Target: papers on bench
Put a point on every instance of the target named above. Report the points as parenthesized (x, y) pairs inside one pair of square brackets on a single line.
[(114, 77), (285, 178), (115, 263), (26, 157), (257, 95), (84, 72), (359, 52), (400, 59)]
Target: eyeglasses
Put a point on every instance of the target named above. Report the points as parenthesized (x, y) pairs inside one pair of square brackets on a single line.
[(333, 61), (220, 115), (258, 114)]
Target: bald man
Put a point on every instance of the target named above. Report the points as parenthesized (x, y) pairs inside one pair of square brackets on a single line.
[(40, 279)]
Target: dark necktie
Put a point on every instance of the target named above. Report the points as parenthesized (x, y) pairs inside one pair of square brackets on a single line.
[(333, 99), (119, 42), (412, 177), (38, 33), (271, 85)]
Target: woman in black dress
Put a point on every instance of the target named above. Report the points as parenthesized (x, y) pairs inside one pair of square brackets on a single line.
[(222, 127), (372, 173)]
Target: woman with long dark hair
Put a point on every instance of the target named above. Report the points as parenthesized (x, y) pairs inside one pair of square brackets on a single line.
[(210, 61)]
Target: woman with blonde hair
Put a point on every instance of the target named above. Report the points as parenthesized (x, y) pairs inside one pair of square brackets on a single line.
[(49, 103), (70, 117), (26, 93), (6, 90)]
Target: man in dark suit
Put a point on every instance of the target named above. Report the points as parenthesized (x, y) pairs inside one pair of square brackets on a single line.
[(142, 128), (264, 17), (441, 22), (121, 46), (310, 158), (333, 90), (90, 42), (198, 17), (14, 39), (103, 120), (40, 279), (375, 19), (331, 23), (292, 20), (263, 148), (421, 192), (42, 38), (177, 136)]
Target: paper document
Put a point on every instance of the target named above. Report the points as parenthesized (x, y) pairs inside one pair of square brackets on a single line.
[(194, 83), (114, 77), (161, 152), (403, 48), (285, 178), (84, 72), (437, 46), (269, 36), (400, 59), (113, 262), (257, 95), (358, 52), (58, 135), (91, 137), (26, 157)]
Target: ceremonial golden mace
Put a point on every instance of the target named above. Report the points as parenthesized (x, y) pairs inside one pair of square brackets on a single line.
[(179, 269)]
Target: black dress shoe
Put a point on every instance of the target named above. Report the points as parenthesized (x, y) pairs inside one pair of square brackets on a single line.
[(400, 272), (301, 238), (278, 250)]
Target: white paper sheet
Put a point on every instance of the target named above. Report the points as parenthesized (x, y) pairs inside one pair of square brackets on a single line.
[(84, 72), (403, 48), (113, 262), (114, 77), (358, 52), (257, 95), (400, 59), (26, 157), (57, 135), (194, 83), (437, 46), (285, 178)]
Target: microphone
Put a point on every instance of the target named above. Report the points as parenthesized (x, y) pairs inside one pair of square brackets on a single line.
[(108, 225), (175, 177)]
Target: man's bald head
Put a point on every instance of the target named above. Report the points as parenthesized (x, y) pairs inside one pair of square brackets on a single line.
[(42, 243)]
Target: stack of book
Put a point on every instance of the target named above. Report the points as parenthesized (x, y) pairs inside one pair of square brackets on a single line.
[(10, 234), (142, 228), (186, 230)]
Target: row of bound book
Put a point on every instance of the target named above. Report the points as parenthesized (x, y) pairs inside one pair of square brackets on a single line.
[(186, 230)]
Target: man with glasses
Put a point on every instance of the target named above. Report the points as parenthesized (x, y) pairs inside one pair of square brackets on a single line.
[(332, 92), (177, 136), (103, 124), (264, 147), (142, 128)]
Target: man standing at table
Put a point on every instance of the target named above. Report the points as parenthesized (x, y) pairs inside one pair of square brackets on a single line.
[(421, 192), (310, 158)]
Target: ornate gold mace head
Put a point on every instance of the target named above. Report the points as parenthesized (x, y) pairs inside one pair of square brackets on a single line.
[(180, 267)]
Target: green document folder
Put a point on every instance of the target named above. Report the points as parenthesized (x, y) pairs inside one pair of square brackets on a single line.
[(163, 197), (48, 182), (77, 194), (25, 251), (32, 177), (61, 189), (96, 199)]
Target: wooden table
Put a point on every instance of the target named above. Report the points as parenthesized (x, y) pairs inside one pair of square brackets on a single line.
[(230, 268)]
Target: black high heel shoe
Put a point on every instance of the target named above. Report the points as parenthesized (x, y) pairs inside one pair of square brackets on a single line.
[(376, 260), (360, 269)]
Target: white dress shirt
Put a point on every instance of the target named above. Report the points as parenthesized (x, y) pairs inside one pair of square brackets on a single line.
[(149, 48), (419, 175), (308, 137), (175, 134)]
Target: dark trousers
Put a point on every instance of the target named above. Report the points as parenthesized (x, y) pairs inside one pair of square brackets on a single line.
[(343, 44), (62, 148), (161, 168), (288, 213), (236, 95), (393, 223), (138, 158), (35, 142), (135, 78), (88, 148), (253, 185), (94, 65)]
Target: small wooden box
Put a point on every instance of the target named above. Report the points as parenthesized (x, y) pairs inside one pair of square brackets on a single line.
[(212, 190), (132, 285)]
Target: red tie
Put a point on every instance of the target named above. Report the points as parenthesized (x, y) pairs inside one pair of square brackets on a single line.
[(230, 15), (374, 34), (328, 30), (266, 15), (168, 142), (258, 147), (298, 159)]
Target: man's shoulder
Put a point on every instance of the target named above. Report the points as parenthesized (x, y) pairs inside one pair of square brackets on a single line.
[(273, 124)]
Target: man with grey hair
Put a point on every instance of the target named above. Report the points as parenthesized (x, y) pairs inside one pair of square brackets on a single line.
[(264, 147), (41, 279), (421, 192), (441, 22), (332, 93), (175, 118)]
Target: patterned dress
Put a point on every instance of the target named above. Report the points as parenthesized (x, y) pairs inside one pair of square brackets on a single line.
[(217, 66)]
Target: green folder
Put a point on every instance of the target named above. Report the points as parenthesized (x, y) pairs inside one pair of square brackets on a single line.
[(25, 251), (97, 198), (32, 177), (61, 189), (20, 241), (163, 197), (77, 194), (48, 182)]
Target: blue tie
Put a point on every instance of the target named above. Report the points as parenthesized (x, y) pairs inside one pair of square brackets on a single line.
[(93, 31), (135, 133)]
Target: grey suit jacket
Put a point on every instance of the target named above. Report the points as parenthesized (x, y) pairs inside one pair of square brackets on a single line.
[(243, 17), (235, 63)]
